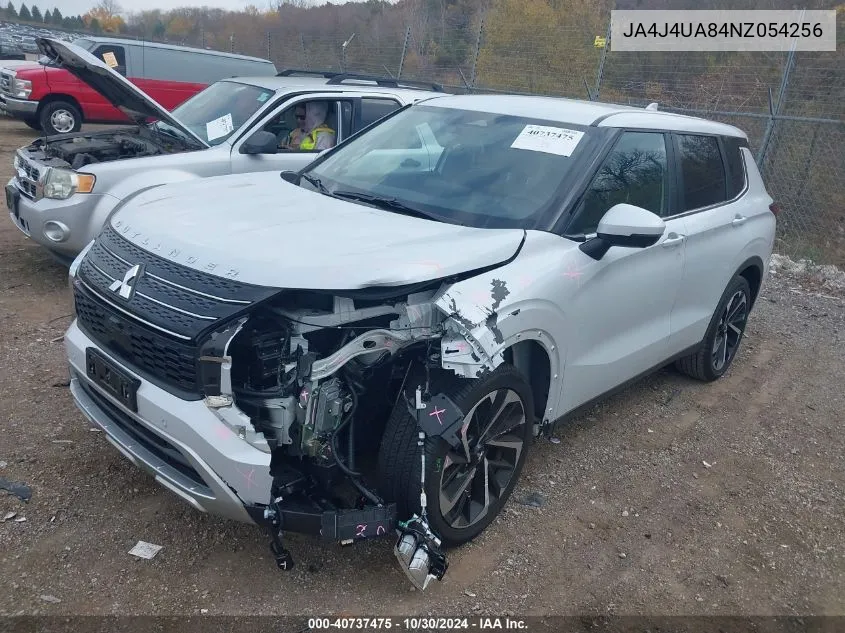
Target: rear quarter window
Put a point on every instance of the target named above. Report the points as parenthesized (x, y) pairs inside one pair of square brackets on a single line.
[(735, 164)]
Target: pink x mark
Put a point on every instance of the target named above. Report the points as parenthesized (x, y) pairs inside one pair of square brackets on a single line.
[(437, 412), (250, 477)]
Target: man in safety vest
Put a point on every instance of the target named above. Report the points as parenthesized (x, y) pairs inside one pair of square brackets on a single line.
[(298, 133), (318, 136)]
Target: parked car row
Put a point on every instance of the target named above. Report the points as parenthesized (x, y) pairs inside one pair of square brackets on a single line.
[(22, 36), (365, 340), (10, 51)]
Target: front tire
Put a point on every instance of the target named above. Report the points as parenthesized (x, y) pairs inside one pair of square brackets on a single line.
[(467, 486), (724, 335), (33, 124), (60, 117)]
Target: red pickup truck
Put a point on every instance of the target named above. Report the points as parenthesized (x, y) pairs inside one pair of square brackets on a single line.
[(49, 98)]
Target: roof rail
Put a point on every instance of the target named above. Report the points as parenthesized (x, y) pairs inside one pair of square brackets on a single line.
[(291, 72), (387, 82)]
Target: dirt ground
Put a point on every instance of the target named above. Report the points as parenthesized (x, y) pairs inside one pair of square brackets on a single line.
[(672, 497)]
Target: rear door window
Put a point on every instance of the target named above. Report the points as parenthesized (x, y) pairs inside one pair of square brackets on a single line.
[(702, 171), (373, 109), (113, 56)]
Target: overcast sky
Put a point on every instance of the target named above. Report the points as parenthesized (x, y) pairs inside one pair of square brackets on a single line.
[(78, 7)]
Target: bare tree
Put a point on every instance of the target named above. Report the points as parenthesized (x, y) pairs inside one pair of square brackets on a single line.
[(297, 4), (109, 8)]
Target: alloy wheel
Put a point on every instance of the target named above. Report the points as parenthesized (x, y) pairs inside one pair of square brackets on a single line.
[(729, 330), (477, 472)]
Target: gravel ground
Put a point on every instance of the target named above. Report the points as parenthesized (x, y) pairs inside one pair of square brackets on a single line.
[(672, 497)]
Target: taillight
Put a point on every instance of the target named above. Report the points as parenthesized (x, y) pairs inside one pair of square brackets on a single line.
[(774, 208)]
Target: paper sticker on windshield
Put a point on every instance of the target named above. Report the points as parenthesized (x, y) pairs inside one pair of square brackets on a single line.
[(263, 97), (552, 140), (219, 127), (110, 59)]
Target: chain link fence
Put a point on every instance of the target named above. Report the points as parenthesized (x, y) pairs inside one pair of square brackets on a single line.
[(791, 105)]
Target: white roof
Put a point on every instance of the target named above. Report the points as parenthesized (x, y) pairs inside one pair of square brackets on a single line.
[(321, 84), (580, 112)]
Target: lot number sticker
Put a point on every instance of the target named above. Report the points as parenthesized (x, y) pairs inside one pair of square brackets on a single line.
[(551, 140), (110, 59), (219, 127)]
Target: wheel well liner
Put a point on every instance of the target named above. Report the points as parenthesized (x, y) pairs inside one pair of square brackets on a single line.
[(752, 270), (533, 361)]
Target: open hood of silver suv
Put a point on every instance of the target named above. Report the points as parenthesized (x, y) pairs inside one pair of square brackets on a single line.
[(118, 90), (258, 229)]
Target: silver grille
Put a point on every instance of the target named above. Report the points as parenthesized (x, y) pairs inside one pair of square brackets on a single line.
[(27, 178), (6, 83)]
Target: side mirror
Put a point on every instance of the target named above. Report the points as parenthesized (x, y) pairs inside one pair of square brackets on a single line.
[(292, 177), (624, 225), (260, 143)]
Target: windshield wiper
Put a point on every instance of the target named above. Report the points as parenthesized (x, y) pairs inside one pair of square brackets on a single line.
[(391, 204), (317, 183)]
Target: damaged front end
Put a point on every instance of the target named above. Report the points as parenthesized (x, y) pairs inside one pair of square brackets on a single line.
[(311, 377)]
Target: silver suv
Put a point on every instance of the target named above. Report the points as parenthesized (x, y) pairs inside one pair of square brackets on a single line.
[(370, 344), (66, 186)]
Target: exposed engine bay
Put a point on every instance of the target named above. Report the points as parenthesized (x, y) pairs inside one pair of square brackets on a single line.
[(77, 150), (313, 378)]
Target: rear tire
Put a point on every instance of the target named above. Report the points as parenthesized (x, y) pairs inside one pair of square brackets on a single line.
[(724, 335), (485, 469), (60, 117)]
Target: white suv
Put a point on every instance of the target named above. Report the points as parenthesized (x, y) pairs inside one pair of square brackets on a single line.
[(65, 186), (406, 312)]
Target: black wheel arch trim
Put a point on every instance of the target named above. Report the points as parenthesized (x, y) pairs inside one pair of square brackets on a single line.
[(757, 264)]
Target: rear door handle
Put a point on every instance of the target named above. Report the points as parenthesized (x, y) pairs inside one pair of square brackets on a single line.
[(738, 220), (673, 239)]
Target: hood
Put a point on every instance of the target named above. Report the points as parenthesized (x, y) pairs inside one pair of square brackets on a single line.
[(113, 86), (258, 229)]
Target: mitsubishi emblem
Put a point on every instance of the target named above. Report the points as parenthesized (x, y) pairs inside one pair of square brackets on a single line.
[(126, 288)]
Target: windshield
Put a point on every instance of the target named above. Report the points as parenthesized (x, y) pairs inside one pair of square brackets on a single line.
[(460, 166), (218, 111), (81, 42)]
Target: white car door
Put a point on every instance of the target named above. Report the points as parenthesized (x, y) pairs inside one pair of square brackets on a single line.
[(720, 223), (620, 311)]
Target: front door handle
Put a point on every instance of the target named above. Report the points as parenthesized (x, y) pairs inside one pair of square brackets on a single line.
[(673, 239), (738, 220)]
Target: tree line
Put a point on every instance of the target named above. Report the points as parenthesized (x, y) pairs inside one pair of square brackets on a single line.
[(104, 17), (48, 17)]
